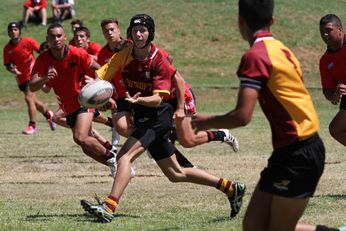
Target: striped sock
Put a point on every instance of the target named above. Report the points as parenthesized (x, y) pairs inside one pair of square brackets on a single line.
[(111, 203), (215, 135), (225, 186)]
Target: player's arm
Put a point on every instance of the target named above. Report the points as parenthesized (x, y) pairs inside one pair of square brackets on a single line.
[(94, 65), (148, 101), (178, 81), (332, 95), (12, 68), (240, 116), (38, 81)]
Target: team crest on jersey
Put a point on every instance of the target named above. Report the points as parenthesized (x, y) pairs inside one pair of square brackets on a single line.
[(330, 65), (147, 74)]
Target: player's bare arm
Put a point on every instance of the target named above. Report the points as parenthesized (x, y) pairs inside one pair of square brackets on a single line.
[(178, 81), (37, 81), (148, 101), (240, 116)]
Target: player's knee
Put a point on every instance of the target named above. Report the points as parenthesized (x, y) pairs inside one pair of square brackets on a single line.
[(174, 176), (79, 139)]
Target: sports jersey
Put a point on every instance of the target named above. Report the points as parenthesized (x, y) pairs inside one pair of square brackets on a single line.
[(272, 69), (332, 68), (103, 57), (21, 54), (94, 48), (149, 76), (71, 70)]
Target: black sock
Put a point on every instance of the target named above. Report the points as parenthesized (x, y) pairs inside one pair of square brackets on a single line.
[(324, 228), (215, 135)]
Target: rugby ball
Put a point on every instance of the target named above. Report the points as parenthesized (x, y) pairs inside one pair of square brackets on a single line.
[(95, 94)]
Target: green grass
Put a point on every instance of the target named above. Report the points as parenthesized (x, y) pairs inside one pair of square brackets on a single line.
[(43, 177)]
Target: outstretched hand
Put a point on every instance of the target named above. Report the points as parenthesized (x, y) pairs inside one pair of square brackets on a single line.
[(132, 99)]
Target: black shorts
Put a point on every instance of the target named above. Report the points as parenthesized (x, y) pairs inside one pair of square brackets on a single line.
[(342, 104), (24, 86), (71, 118), (153, 133), (294, 171), (123, 105)]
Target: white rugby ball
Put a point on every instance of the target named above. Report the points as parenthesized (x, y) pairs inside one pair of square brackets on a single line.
[(95, 94)]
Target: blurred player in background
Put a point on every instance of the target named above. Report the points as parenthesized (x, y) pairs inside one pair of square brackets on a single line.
[(333, 73), (19, 59)]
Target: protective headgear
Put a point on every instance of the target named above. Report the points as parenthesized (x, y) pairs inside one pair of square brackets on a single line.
[(13, 25), (145, 20)]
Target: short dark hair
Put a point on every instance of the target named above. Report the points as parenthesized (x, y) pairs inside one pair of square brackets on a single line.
[(257, 13), (77, 21), (84, 29), (331, 18), (54, 25), (109, 20)]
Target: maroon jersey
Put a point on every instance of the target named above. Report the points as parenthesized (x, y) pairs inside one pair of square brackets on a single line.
[(71, 71)]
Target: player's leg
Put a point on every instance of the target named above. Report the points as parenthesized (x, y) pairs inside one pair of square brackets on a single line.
[(123, 122), (175, 173), (337, 127), (60, 118), (80, 122), (41, 107), (30, 102)]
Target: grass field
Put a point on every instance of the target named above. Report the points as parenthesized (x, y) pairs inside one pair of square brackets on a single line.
[(43, 177)]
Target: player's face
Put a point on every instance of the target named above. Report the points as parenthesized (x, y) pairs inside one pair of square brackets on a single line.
[(56, 38), (331, 34), (14, 33), (111, 32), (81, 39), (140, 35)]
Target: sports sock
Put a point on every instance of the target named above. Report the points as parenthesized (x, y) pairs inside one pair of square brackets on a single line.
[(111, 203), (215, 135), (324, 228), (109, 154), (32, 124), (109, 122), (47, 115), (107, 145), (225, 186)]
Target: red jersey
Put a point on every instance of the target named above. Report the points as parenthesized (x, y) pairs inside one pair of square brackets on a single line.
[(71, 71), (272, 69), (34, 3), (72, 43), (94, 48), (21, 54), (332, 68)]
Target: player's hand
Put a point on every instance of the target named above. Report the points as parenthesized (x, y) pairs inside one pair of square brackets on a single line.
[(52, 73), (89, 79), (132, 99), (200, 122), (179, 113), (14, 70)]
